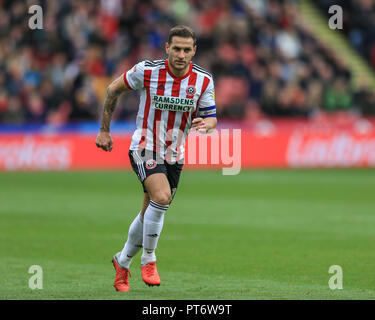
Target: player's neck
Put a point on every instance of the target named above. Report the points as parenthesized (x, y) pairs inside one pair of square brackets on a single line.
[(179, 73)]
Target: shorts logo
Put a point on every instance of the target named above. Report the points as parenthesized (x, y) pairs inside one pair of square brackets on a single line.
[(150, 164), (190, 90)]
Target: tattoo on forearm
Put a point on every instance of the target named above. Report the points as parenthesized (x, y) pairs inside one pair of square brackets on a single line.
[(110, 102)]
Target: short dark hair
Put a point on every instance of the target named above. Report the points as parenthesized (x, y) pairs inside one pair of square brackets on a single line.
[(181, 31)]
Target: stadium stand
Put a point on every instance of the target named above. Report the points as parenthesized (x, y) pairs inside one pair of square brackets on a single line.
[(58, 75)]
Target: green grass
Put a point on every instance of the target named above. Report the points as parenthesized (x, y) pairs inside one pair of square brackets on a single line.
[(258, 235)]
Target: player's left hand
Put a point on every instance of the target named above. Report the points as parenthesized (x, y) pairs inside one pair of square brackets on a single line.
[(200, 125)]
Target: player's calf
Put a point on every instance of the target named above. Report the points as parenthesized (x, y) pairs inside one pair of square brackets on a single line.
[(152, 226)]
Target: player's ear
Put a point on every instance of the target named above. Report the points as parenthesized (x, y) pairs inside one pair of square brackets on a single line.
[(167, 48), (194, 50)]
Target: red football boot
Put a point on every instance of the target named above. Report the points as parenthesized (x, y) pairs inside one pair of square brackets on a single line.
[(122, 277), (150, 274)]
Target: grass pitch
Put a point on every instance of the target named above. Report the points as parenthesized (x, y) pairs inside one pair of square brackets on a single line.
[(259, 235)]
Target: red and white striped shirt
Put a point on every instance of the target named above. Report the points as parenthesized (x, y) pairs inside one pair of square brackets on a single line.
[(167, 106)]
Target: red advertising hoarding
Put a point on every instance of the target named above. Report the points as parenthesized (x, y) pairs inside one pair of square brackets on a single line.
[(265, 146)]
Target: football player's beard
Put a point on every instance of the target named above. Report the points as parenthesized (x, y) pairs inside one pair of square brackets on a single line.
[(179, 66)]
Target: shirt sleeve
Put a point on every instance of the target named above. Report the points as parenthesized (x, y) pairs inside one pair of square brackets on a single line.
[(134, 77), (207, 106)]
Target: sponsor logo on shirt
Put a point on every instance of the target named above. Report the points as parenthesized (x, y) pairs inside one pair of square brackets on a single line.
[(173, 103)]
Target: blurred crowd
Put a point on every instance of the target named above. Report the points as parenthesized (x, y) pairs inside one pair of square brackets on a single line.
[(264, 61)]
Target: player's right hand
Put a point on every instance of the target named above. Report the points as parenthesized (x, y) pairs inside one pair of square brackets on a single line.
[(104, 141)]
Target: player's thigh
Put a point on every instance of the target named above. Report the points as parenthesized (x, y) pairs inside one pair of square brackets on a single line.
[(158, 188), (153, 175)]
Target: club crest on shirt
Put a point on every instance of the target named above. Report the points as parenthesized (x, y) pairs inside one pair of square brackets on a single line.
[(150, 164), (190, 90)]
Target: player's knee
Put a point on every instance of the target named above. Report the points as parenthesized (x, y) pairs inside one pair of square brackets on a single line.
[(162, 197)]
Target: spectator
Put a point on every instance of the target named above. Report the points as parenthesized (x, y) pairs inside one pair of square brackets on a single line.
[(14, 113), (338, 96)]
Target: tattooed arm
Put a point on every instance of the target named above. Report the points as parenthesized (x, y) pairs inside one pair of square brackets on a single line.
[(115, 89)]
